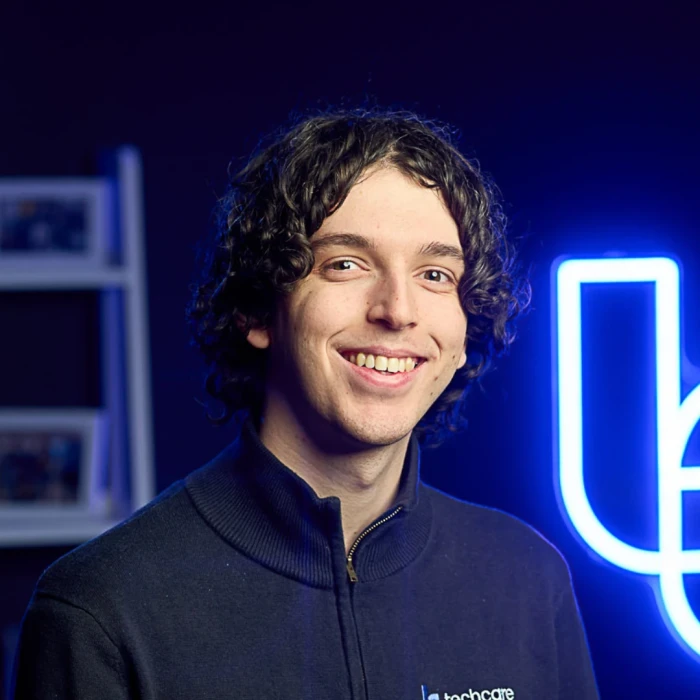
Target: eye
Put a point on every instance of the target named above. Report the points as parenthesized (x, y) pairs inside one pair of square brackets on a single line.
[(340, 265), (437, 276)]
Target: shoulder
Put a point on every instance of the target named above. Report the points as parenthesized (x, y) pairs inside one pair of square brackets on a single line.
[(127, 551), (497, 540)]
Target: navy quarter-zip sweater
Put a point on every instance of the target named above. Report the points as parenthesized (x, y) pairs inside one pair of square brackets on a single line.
[(235, 584)]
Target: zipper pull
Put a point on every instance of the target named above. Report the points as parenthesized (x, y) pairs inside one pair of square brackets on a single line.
[(352, 574)]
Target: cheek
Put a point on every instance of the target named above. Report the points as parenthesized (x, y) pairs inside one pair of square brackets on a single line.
[(454, 325), (316, 319)]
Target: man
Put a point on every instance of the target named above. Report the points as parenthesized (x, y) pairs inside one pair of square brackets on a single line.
[(360, 282)]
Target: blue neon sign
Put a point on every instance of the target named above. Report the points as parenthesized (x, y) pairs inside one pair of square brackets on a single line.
[(676, 420)]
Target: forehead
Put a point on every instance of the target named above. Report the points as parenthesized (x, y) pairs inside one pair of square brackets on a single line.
[(387, 206)]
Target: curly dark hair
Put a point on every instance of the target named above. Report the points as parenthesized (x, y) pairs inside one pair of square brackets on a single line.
[(279, 200)]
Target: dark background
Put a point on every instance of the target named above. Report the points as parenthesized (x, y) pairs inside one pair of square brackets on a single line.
[(585, 115)]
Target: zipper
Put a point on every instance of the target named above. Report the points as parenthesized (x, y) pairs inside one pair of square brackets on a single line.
[(352, 574)]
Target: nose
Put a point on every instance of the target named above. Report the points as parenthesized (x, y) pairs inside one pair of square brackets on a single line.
[(392, 302)]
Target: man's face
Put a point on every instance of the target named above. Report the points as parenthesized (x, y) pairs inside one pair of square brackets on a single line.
[(384, 283)]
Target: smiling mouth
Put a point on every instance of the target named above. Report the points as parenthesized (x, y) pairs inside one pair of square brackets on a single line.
[(384, 365)]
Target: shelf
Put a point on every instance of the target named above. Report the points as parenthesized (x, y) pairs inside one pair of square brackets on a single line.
[(37, 280), (112, 263), (52, 532)]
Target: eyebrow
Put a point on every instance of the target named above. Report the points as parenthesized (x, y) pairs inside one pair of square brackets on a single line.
[(443, 250), (355, 240), (349, 240)]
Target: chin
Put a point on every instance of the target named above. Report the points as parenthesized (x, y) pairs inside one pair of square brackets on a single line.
[(377, 433)]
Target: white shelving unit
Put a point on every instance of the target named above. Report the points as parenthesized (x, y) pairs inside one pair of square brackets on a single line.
[(118, 273)]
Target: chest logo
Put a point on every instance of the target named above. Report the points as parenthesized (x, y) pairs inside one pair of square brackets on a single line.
[(488, 694)]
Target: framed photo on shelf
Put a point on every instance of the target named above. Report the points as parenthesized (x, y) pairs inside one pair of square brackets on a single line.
[(52, 223), (53, 463)]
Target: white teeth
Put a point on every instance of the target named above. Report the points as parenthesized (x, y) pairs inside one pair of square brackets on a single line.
[(382, 363)]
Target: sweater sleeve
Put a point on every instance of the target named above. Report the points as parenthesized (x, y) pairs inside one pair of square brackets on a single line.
[(63, 652), (576, 679)]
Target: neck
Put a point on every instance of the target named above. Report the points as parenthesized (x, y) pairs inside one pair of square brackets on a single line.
[(364, 478)]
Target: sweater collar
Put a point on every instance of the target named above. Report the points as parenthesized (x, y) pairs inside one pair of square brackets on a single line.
[(269, 513)]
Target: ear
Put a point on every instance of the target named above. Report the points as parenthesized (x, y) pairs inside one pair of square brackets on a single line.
[(463, 359), (259, 338)]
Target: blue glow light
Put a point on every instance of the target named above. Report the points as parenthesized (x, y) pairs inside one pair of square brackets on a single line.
[(675, 423)]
